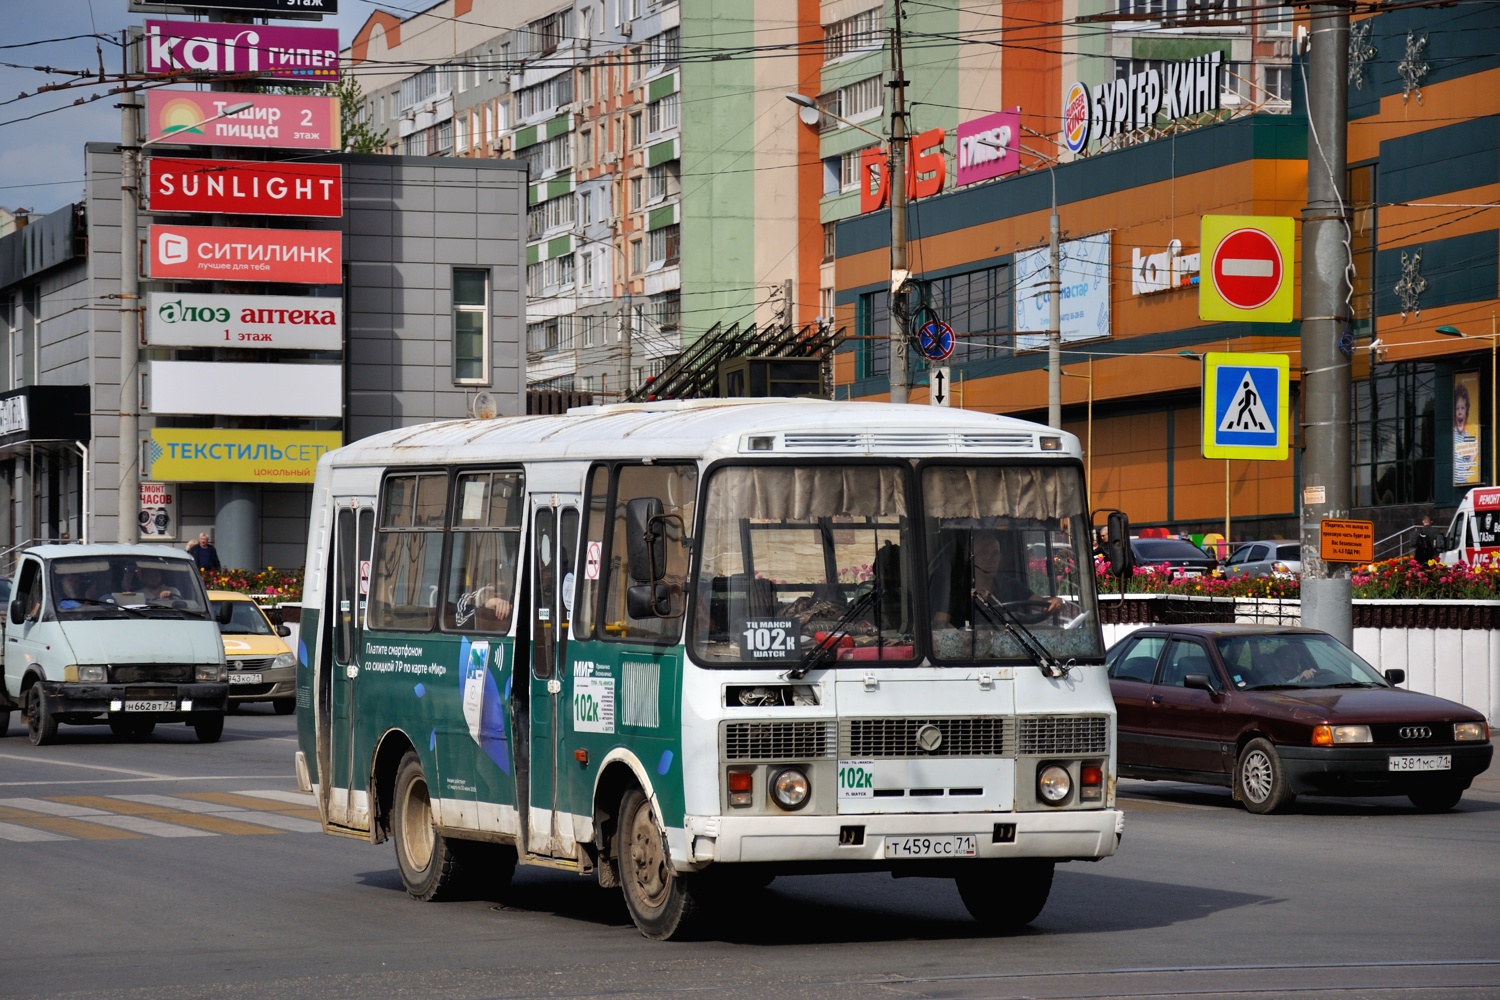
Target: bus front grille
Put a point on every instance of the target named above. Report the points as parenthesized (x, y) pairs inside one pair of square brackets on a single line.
[(1049, 735), (808, 739), (973, 737)]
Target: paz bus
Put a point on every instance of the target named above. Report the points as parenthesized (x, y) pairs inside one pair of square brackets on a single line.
[(684, 647)]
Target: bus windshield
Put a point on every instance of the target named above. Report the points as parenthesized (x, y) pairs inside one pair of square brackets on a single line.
[(1007, 547), (796, 558), (792, 555)]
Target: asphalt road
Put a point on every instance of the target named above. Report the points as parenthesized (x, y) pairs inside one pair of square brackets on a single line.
[(172, 869)]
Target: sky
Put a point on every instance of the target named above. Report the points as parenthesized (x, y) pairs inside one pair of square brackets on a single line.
[(41, 159)]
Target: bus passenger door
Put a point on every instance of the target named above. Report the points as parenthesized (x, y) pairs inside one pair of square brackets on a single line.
[(353, 542), (554, 539)]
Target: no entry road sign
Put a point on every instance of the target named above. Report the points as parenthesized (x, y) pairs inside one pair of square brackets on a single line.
[(1249, 273)]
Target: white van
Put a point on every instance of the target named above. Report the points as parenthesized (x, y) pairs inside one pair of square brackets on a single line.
[(1475, 532), (117, 634)]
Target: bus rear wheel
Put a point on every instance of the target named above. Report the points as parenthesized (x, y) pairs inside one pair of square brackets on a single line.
[(429, 868), (660, 899), (1006, 895)]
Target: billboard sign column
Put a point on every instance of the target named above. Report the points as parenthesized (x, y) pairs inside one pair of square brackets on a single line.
[(275, 121)]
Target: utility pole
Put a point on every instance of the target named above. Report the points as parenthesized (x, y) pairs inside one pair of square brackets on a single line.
[(1326, 590), (128, 529), (896, 178), (626, 349), (1054, 315)]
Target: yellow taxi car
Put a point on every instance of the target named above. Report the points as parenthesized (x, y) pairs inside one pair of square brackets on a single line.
[(261, 665)]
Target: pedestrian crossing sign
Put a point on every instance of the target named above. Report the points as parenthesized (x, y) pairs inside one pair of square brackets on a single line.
[(1246, 402)]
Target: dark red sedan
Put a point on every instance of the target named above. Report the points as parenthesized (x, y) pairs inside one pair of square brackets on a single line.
[(1275, 712)]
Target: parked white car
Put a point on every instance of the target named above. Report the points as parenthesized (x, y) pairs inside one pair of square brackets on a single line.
[(1278, 558)]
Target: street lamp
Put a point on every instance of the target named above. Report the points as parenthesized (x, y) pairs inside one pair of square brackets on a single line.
[(1453, 331), (127, 529), (1088, 470), (1191, 356), (1054, 287), (896, 178)]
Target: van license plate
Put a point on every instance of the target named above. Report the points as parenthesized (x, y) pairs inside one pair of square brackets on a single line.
[(930, 847), (151, 706), (244, 678), (1430, 762)]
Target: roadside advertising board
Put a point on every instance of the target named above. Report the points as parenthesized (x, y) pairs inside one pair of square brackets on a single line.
[(282, 322), (157, 517), (244, 187), (277, 121), (217, 455), (270, 51), (299, 256)]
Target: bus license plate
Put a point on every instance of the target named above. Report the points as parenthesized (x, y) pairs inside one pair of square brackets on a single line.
[(1429, 762), (930, 847), (151, 706), (244, 678)]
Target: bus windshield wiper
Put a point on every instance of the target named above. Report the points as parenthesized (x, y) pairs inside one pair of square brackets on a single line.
[(1002, 617), (820, 650)]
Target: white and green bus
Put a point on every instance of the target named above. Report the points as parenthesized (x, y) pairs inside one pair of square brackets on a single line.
[(684, 647)]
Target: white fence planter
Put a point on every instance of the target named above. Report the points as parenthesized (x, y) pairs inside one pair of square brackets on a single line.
[(1460, 664)]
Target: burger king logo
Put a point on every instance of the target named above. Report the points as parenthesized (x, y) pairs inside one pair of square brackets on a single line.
[(1076, 117)]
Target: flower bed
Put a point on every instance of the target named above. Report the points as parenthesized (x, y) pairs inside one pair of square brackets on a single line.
[(1394, 579), (270, 586)]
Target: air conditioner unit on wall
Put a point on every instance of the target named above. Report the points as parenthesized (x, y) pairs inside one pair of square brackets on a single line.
[(626, 29)]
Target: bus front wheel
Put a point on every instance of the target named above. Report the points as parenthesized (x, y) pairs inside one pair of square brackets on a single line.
[(1006, 895), (428, 865), (660, 900)]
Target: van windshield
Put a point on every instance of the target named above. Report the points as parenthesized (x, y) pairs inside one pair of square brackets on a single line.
[(114, 586)]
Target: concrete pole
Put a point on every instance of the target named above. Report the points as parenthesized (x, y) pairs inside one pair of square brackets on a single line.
[(900, 379), (1326, 589), (128, 530), (1054, 315)]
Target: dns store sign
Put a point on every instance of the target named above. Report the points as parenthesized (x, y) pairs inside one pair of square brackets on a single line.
[(925, 171)]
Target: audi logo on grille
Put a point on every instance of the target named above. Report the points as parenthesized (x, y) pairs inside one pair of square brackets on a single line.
[(1416, 733)]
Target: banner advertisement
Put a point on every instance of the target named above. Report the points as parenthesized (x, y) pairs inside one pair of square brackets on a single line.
[(244, 187), (1465, 429), (300, 256), (216, 455), (270, 51), (282, 322), (158, 512), (989, 147), (276, 121), (1084, 283), (245, 389)]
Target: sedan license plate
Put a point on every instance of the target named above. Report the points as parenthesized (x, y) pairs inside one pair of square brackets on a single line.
[(930, 847), (244, 678), (1427, 762), (151, 706)]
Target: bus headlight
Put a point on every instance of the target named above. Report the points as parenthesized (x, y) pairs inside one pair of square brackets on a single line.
[(212, 673), (92, 674), (1054, 784), (790, 788)]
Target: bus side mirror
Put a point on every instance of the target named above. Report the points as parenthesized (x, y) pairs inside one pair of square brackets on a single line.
[(1117, 549), (17, 612), (652, 600), (645, 546)]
